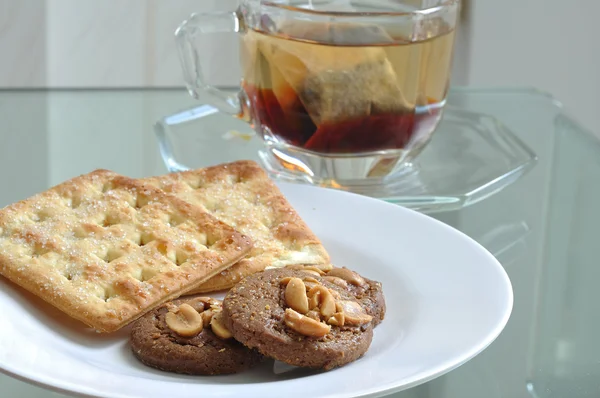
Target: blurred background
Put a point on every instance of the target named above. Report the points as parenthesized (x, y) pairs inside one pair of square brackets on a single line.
[(551, 45)]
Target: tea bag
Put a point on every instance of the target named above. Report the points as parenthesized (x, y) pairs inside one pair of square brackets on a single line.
[(254, 63), (334, 82), (262, 72), (275, 103)]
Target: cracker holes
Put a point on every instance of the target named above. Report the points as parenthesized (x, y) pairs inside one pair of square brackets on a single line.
[(211, 240), (141, 201), (74, 202), (99, 220), (195, 245), (175, 220), (80, 232), (42, 215), (113, 254), (138, 276), (137, 239), (110, 221), (176, 256), (39, 250), (195, 184), (145, 238), (267, 224), (106, 187), (164, 249), (181, 257), (233, 179), (145, 274), (107, 294), (201, 241), (130, 201)]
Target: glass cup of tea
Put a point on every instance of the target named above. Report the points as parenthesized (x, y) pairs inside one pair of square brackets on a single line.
[(341, 91)]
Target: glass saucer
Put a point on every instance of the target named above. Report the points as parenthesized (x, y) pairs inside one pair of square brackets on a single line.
[(471, 157)]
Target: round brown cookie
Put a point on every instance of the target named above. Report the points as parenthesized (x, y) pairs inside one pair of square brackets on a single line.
[(199, 351), (258, 313), (367, 292)]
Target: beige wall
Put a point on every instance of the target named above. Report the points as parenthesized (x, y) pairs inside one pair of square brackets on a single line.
[(550, 44), (108, 43)]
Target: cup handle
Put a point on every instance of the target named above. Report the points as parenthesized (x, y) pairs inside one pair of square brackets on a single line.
[(190, 30)]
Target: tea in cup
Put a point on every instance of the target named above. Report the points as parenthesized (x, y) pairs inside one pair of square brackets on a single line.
[(345, 91)]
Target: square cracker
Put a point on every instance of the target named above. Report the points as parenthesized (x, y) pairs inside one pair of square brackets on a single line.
[(243, 196), (105, 248)]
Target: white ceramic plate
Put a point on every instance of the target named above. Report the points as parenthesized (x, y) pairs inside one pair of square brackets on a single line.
[(447, 300)]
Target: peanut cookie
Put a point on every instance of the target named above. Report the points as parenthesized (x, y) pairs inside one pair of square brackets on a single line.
[(297, 318), (188, 336)]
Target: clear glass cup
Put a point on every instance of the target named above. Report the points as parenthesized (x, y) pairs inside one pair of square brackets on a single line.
[(341, 91)]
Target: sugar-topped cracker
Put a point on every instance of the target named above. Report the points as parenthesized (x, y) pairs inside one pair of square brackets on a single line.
[(243, 196), (105, 248)]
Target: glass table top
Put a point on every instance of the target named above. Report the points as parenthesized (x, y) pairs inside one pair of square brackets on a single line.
[(542, 228)]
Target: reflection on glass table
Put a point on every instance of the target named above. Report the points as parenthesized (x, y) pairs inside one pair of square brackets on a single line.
[(566, 350), (470, 157)]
